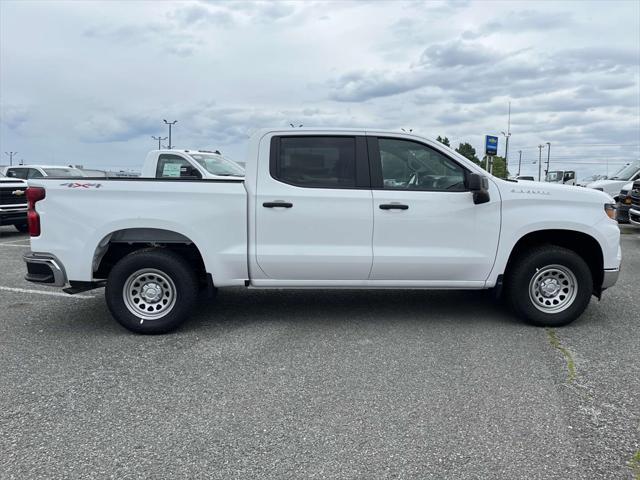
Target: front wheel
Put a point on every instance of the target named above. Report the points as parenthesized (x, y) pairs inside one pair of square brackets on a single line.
[(549, 286), (151, 291)]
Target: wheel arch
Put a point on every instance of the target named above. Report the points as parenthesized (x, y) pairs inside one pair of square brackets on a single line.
[(583, 244), (119, 243)]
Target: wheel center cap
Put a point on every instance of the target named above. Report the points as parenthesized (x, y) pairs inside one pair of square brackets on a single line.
[(151, 292), (549, 288)]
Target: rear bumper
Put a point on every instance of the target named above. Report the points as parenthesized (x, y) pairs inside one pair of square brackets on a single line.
[(610, 278), (44, 268)]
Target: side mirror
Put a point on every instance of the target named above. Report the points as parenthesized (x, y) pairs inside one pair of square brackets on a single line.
[(479, 186)]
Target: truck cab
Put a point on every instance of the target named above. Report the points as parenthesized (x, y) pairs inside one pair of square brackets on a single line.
[(189, 164), (566, 177)]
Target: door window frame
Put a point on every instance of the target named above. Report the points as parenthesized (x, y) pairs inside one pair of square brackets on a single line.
[(362, 164), (375, 161)]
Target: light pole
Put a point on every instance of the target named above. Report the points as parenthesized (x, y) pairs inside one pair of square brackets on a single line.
[(11, 154), (540, 147), (506, 148), (548, 156), (159, 139), (519, 161), (170, 125)]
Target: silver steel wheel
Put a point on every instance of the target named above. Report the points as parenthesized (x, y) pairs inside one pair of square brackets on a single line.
[(553, 289), (149, 294)]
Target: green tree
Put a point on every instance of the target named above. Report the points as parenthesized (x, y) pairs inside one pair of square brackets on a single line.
[(467, 150), (499, 167), (444, 141)]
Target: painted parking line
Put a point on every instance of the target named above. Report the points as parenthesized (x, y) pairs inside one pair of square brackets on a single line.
[(16, 241), (13, 245), (42, 292)]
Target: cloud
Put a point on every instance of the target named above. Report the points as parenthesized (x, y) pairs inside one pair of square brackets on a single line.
[(456, 54), (520, 22), (14, 117)]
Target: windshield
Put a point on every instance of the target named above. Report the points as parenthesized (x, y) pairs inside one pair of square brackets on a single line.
[(627, 172), (554, 177), (63, 172), (217, 165)]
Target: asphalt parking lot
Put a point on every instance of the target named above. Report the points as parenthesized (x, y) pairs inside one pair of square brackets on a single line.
[(323, 384)]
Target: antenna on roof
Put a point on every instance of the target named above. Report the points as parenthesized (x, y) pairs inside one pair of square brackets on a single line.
[(410, 130)]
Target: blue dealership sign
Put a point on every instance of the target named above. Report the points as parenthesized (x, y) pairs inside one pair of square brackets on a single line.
[(490, 145)]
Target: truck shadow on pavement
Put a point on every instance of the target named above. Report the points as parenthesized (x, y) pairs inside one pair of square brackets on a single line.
[(238, 307)]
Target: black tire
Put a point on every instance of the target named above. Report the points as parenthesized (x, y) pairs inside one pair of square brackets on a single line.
[(562, 266), (22, 227), (168, 276)]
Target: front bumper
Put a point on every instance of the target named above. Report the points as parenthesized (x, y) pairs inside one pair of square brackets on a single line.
[(610, 278), (10, 215), (44, 268), (634, 216)]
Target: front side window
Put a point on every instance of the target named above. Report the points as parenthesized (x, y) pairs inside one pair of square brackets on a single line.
[(217, 165), (326, 162), (174, 166), (408, 165)]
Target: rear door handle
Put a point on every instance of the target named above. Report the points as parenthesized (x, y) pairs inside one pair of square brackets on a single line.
[(277, 204), (393, 206)]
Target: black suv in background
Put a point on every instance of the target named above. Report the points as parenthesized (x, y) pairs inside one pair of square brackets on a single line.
[(634, 210), (13, 203)]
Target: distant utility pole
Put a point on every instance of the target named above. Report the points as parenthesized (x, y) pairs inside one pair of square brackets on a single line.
[(540, 147), (507, 135), (10, 154), (548, 156), (519, 161), (170, 125), (159, 139)]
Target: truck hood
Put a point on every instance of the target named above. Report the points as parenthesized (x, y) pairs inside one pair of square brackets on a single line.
[(551, 191)]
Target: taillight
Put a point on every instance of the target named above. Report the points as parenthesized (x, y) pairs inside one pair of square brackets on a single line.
[(34, 194)]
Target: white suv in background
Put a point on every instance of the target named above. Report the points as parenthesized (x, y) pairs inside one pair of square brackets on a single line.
[(26, 172)]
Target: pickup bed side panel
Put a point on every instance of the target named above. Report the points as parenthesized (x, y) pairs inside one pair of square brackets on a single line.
[(75, 219)]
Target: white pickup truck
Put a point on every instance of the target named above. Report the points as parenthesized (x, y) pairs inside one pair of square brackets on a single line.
[(323, 209)]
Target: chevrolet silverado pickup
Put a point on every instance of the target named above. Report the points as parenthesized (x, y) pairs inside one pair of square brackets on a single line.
[(322, 209), (13, 203)]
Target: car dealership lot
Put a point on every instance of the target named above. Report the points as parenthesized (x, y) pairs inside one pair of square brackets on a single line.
[(319, 384)]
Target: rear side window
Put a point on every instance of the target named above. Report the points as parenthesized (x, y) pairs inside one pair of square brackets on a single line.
[(33, 173), (325, 162), (17, 173), (174, 166)]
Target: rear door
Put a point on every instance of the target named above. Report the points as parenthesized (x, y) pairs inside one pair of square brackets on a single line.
[(314, 217), (427, 227)]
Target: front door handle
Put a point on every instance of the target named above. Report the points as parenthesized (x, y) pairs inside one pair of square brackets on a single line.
[(393, 206), (277, 204)]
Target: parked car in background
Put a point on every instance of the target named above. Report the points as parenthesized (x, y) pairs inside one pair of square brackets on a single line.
[(634, 210), (566, 177), (613, 185), (189, 164), (304, 216), (13, 203), (27, 172), (525, 177), (623, 203), (593, 178)]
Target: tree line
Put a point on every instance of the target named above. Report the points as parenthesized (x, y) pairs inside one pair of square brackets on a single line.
[(466, 150)]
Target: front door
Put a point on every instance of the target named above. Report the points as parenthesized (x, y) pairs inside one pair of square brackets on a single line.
[(426, 226), (314, 217)]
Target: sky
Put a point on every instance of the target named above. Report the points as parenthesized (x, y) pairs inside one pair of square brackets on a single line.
[(89, 82)]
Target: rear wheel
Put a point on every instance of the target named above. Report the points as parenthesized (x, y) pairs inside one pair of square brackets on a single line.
[(151, 291), (549, 286)]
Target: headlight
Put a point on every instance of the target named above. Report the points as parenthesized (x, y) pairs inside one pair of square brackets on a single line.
[(610, 210)]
